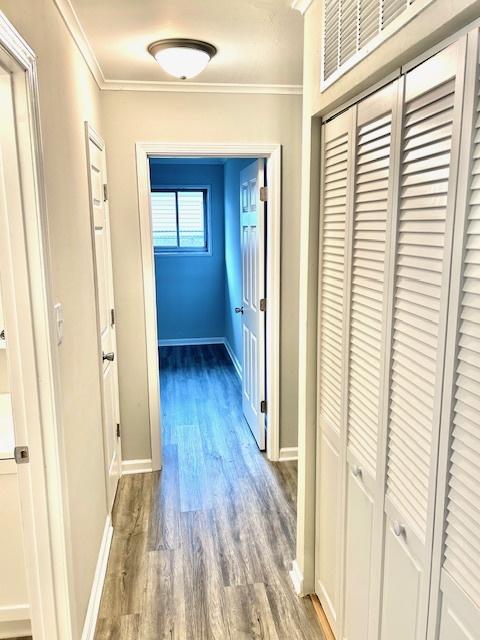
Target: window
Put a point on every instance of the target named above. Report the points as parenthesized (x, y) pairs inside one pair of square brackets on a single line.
[(179, 220)]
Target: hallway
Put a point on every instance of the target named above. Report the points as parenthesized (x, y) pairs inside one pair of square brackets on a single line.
[(202, 550)]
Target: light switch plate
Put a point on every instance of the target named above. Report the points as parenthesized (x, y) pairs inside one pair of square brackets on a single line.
[(59, 321)]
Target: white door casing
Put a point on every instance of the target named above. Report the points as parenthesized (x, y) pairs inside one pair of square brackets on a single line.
[(100, 220), (252, 221)]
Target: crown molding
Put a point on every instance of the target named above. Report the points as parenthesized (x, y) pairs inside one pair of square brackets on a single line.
[(301, 5), (75, 29), (201, 87)]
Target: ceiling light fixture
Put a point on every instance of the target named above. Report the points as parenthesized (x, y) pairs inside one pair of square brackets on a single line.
[(182, 57)]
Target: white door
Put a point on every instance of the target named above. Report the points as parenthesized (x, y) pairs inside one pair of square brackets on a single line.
[(455, 603), (429, 155), (337, 162), (252, 220), (100, 221), (374, 178)]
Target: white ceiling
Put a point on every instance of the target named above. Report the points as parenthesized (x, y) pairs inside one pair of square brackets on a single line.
[(258, 41)]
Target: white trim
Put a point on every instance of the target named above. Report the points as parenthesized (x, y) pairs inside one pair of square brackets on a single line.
[(235, 361), (288, 453), (201, 87), (136, 466), (17, 613), (34, 360), (273, 232), (79, 36), (296, 576), (184, 342), (15, 629), (98, 581), (301, 5)]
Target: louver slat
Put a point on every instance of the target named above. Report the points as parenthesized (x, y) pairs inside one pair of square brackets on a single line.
[(416, 308), (332, 278), (462, 538), (391, 9), (348, 29), (331, 37), (368, 267)]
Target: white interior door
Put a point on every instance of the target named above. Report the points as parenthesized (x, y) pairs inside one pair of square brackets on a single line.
[(252, 217), (429, 156), (105, 310)]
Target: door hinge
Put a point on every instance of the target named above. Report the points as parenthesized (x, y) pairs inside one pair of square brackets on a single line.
[(105, 193), (112, 316), (263, 304), (21, 455), (263, 406), (263, 194), (118, 430)]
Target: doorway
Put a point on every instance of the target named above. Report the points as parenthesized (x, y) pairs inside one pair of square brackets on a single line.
[(269, 158)]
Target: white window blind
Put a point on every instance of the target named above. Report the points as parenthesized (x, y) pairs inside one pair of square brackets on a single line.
[(179, 220), (350, 25)]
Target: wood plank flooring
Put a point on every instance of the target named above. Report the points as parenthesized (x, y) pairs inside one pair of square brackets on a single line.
[(201, 550)]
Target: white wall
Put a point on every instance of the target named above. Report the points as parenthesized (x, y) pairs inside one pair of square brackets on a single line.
[(131, 116), (68, 97)]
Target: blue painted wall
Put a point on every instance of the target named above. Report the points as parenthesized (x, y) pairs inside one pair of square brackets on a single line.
[(191, 289), (233, 257)]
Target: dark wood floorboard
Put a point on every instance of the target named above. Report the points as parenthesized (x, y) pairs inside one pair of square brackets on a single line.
[(202, 550)]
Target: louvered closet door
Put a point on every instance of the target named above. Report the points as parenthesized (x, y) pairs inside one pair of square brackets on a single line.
[(371, 225), (336, 180), (456, 587), (428, 173)]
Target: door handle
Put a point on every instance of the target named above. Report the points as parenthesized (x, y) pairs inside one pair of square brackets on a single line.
[(108, 356), (238, 309)]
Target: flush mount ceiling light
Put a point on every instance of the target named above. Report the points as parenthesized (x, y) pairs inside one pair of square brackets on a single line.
[(182, 57)]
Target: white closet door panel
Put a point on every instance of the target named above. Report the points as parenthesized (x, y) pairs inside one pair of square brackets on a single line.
[(337, 180), (373, 185), (371, 223), (420, 271), (403, 576), (333, 267), (328, 583), (358, 557), (428, 174), (459, 504)]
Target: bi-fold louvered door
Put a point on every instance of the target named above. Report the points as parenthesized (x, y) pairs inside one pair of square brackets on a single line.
[(389, 200), (337, 180), (432, 105), (455, 604), (370, 251)]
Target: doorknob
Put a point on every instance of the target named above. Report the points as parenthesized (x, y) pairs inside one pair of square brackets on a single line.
[(108, 356), (238, 309)]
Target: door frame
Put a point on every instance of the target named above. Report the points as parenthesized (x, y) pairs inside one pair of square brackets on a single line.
[(273, 155), (91, 135), (34, 359)]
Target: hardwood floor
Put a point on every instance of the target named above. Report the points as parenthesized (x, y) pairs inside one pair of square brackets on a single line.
[(201, 550)]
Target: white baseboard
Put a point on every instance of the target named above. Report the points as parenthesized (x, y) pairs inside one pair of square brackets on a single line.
[(98, 580), (296, 576), (288, 453), (11, 626), (183, 342), (136, 466), (233, 358)]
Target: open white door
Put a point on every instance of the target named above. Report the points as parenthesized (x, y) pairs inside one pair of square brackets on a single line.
[(252, 220), (107, 344)]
